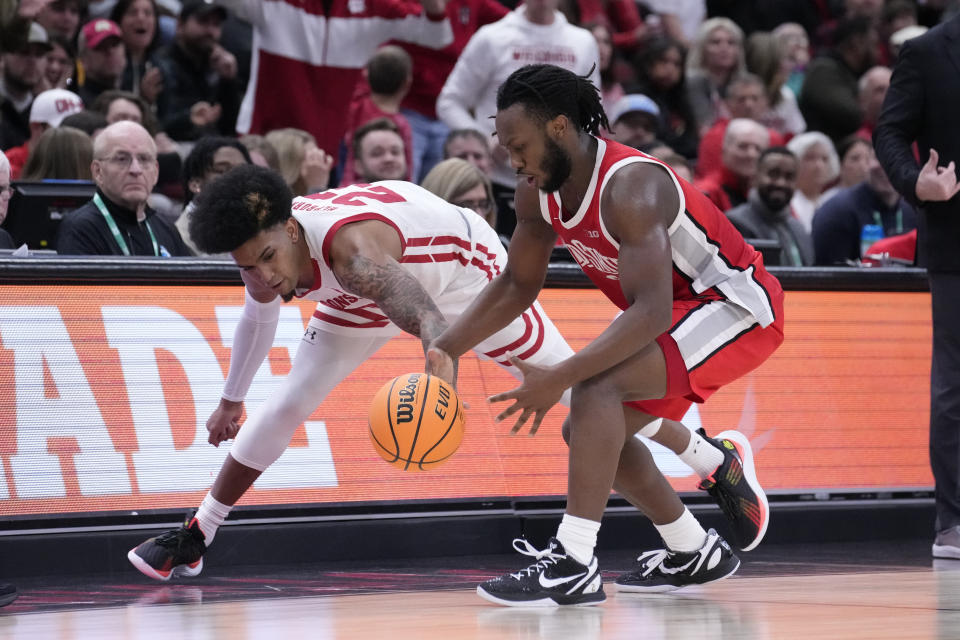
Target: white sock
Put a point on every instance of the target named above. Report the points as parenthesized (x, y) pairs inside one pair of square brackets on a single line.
[(210, 516), (578, 537), (683, 534), (701, 456)]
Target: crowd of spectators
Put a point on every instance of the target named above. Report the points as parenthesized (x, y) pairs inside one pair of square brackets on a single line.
[(768, 106)]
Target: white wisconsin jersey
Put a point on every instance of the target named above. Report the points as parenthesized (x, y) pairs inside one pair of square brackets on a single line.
[(451, 251)]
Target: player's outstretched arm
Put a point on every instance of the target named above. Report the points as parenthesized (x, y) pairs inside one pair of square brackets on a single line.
[(365, 258), (513, 291), (252, 340), (636, 206)]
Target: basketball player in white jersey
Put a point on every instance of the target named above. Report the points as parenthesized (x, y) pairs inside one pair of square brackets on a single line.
[(378, 259)]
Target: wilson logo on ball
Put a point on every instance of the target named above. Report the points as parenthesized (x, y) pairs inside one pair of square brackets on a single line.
[(416, 421), (407, 396)]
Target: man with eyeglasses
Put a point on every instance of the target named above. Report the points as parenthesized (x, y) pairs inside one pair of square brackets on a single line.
[(118, 221), (6, 241)]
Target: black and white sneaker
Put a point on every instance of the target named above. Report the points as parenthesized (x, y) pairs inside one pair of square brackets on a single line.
[(665, 570), (555, 579), (178, 552), (735, 487)]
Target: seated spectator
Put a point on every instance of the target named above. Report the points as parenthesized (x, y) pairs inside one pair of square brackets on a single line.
[(715, 58), (838, 224), (767, 59), (6, 192), (872, 89), (201, 94), (140, 26), (464, 185), (60, 18), (60, 64), (61, 153), (119, 105), (469, 145), (627, 28), (433, 66), (102, 59), (818, 166), (897, 15), (793, 37), (262, 153), (746, 98), (48, 110), (679, 164), (855, 155), (611, 88), (389, 74), (660, 76), (210, 158), (634, 120), (90, 122), (304, 166), (743, 143), (23, 45), (766, 214), (117, 221), (679, 19), (378, 149), (829, 99)]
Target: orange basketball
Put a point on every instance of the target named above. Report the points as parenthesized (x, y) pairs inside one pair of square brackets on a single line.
[(416, 421)]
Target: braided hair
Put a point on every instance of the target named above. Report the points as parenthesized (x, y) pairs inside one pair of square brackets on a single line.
[(547, 91)]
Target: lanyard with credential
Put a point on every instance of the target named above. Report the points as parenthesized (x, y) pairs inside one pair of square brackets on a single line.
[(116, 231)]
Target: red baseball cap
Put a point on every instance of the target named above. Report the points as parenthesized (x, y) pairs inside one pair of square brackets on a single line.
[(96, 31)]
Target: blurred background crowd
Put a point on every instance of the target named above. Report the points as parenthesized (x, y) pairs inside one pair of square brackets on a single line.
[(767, 106)]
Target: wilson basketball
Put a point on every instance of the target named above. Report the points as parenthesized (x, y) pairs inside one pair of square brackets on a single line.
[(416, 421)]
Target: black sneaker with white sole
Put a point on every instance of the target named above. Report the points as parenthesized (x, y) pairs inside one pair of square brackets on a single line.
[(178, 552), (665, 570), (735, 487), (555, 579)]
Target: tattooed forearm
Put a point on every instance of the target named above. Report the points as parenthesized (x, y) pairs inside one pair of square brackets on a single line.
[(398, 294)]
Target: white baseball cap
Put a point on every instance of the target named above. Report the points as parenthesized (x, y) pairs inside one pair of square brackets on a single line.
[(633, 102), (52, 106)]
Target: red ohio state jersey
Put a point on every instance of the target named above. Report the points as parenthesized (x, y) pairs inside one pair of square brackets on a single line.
[(710, 257)]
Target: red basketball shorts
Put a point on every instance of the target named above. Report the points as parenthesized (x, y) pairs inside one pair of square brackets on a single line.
[(712, 342)]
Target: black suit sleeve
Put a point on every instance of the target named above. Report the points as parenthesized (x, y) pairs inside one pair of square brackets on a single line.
[(900, 121)]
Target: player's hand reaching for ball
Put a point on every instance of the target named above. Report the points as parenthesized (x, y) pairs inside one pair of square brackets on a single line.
[(541, 389), (224, 422), (441, 365)]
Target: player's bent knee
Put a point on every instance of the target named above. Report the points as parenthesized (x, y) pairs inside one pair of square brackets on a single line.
[(594, 390)]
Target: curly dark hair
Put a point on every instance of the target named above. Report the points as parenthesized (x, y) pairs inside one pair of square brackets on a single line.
[(200, 159), (237, 206), (547, 91)]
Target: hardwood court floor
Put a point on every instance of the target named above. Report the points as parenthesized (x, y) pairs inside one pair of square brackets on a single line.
[(876, 591)]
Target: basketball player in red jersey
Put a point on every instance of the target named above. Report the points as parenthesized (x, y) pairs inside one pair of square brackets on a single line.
[(699, 310)]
